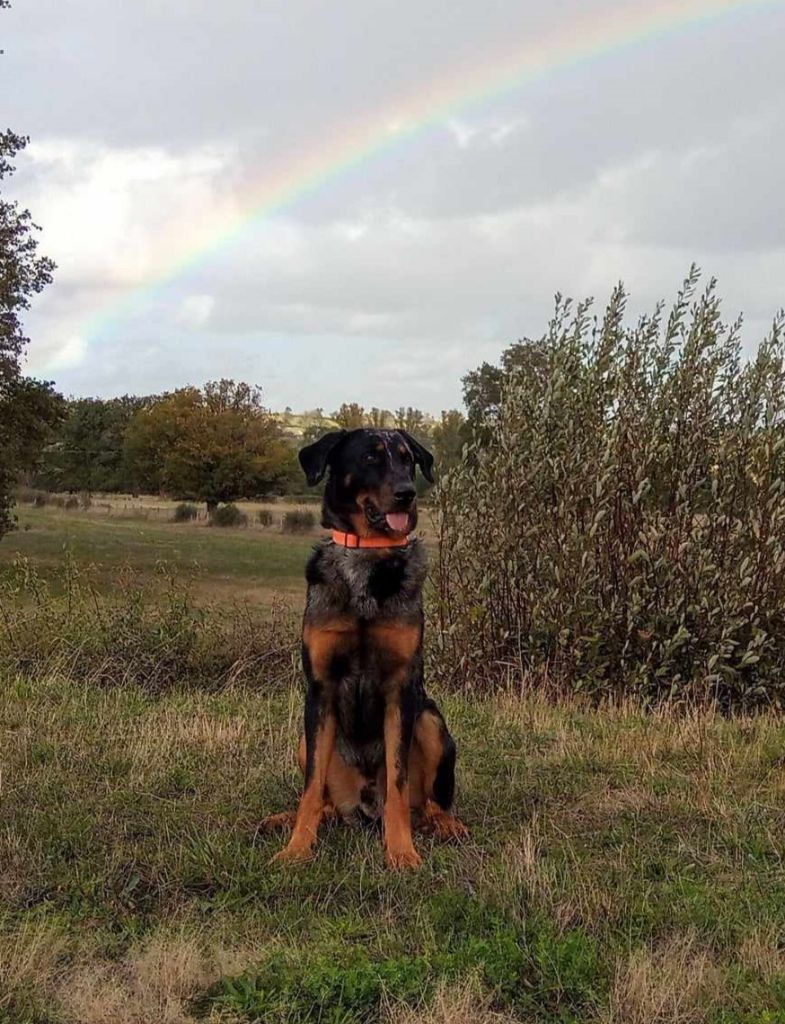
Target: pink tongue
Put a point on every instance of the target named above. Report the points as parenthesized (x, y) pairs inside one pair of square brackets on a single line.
[(398, 521)]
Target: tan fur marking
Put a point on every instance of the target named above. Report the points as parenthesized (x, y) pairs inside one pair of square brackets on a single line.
[(325, 641), (445, 826), (426, 753), (400, 851), (400, 640), (344, 785), (311, 808)]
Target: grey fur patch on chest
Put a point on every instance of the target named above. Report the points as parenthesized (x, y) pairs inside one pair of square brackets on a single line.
[(355, 582)]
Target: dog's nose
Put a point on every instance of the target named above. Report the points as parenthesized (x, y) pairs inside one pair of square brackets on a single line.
[(404, 495)]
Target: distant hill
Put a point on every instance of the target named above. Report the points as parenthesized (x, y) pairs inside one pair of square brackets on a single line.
[(295, 424)]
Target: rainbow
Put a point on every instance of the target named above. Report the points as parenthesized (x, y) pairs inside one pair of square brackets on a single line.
[(586, 38)]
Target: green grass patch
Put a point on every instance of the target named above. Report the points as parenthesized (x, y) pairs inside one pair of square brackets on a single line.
[(219, 560)]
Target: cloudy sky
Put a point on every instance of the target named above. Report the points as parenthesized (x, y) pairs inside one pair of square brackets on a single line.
[(360, 200)]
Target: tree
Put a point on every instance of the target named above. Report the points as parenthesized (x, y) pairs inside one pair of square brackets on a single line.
[(379, 418), (28, 408), (449, 435), (350, 416), (482, 388), (88, 450), (414, 421), (214, 445)]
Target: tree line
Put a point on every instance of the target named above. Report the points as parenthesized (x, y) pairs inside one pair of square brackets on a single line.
[(214, 444)]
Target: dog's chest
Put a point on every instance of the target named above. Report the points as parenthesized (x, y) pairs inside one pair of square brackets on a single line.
[(370, 609), (364, 584)]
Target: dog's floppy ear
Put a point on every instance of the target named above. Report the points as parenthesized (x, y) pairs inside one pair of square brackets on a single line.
[(314, 458), (422, 456)]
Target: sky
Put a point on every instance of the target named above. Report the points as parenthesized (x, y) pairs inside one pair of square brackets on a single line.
[(362, 200)]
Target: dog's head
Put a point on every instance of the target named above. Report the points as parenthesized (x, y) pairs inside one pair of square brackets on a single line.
[(370, 485)]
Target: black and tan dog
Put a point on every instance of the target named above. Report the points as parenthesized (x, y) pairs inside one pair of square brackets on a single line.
[(375, 746)]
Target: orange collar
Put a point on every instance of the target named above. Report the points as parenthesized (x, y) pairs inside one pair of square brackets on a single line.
[(352, 540)]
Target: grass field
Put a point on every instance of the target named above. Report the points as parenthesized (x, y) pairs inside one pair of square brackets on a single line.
[(622, 868), (250, 565)]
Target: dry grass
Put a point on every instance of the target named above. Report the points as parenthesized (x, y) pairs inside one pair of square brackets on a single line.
[(154, 983), (450, 1005), (676, 983), (30, 959)]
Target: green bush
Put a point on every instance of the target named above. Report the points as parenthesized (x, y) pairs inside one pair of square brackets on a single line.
[(298, 520), (228, 515), (185, 512), (264, 517), (618, 523)]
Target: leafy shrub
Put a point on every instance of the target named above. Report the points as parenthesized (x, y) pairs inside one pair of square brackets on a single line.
[(269, 499), (298, 520), (29, 496), (228, 515), (619, 521), (264, 517), (185, 512), (152, 635)]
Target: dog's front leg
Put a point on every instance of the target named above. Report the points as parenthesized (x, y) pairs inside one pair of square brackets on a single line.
[(398, 725), (319, 743)]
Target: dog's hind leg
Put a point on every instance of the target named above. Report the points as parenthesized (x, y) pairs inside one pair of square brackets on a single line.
[(432, 774)]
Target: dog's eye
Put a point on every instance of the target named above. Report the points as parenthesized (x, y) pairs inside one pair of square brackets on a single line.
[(370, 457)]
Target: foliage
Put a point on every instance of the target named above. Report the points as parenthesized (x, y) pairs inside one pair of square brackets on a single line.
[(228, 515), (349, 416), (88, 453), (620, 523), (414, 421), (448, 437), (28, 408), (216, 445), (482, 388), (298, 520), (185, 512)]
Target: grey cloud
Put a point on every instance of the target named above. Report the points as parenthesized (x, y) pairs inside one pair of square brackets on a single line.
[(419, 261)]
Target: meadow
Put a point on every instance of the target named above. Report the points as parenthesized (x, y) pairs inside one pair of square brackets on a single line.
[(623, 867), (252, 564)]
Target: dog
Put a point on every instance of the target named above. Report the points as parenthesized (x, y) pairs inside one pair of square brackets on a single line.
[(375, 747)]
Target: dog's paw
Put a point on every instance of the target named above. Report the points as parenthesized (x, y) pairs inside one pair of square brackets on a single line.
[(292, 855), (449, 829), (277, 822), (403, 860)]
